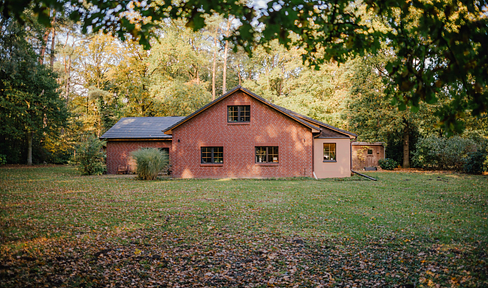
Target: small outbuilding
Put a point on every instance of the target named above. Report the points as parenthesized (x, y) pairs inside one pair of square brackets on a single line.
[(366, 155), (133, 133)]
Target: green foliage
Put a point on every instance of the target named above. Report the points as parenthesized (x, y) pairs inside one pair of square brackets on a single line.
[(476, 162), (424, 63), (394, 144), (3, 159), (150, 161), (29, 98), (443, 153), (90, 157), (371, 115), (387, 163)]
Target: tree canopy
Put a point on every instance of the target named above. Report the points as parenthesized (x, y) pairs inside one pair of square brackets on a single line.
[(436, 45)]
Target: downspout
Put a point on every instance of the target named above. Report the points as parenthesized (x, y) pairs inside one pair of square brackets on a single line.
[(313, 157)]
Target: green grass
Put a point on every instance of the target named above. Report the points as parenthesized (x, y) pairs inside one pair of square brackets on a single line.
[(406, 221)]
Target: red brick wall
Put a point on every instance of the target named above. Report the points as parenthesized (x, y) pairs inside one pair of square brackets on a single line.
[(266, 128), (118, 153)]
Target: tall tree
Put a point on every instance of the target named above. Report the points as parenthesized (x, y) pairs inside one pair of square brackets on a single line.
[(226, 49), (30, 104), (436, 45), (372, 116)]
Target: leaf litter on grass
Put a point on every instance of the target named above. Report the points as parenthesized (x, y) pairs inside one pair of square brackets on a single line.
[(68, 231)]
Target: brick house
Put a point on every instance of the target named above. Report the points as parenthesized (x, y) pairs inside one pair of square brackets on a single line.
[(238, 135)]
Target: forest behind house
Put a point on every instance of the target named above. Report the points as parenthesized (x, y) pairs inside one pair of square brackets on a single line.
[(58, 86)]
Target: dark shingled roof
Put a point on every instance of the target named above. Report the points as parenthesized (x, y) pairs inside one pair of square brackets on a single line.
[(141, 128)]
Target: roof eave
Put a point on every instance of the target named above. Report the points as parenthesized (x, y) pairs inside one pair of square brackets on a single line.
[(137, 139)]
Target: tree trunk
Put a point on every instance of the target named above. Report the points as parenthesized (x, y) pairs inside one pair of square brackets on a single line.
[(214, 63), (29, 147), (53, 40), (68, 80), (406, 148), (224, 80), (44, 44)]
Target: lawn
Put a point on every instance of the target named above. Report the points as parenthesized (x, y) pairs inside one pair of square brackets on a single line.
[(405, 230)]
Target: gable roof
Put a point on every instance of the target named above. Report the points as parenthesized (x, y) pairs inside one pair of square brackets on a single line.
[(313, 124), (141, 128)]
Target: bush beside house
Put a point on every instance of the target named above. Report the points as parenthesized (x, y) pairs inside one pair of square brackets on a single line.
[(387, 164), (89, 157), (150, 161)]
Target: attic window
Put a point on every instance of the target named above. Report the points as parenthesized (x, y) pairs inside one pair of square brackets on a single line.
[(238, 113), (370, 152)]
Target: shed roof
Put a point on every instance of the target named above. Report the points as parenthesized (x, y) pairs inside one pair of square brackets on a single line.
[(369, 143), (141, 128)]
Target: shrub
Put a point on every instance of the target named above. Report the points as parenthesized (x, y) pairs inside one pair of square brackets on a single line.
[(387, 164), (150, 161), (442, 153), (3, 159), (90, 157), (476, 162)]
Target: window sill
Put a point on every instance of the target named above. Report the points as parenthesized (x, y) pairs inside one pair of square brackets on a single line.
[(268, 164), (211, 165), (330, 161), (238, 123)]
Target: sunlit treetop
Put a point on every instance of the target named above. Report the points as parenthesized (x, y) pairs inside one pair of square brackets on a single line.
[(438, 46)]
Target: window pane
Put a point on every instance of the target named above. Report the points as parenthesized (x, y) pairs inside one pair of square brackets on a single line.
[(206, 155), (245, 113), (260, 154), (329, 151), (273, 152), (218, 154), (232, 113)]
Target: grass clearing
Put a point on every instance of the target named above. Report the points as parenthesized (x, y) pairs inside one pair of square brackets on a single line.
[(421, 229)]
